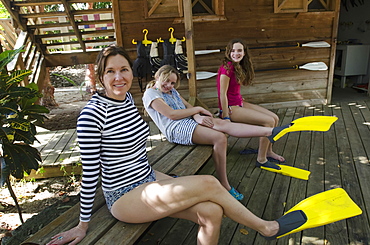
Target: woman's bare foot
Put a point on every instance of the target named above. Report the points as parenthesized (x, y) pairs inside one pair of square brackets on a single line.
[(271, 229), (276, 156)]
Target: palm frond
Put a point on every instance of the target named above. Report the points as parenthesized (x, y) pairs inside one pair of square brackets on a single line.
[(18, 76)]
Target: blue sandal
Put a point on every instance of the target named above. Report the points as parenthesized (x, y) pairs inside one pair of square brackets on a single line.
[(238, 196)]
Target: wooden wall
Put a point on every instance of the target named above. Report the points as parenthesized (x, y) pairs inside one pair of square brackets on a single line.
[(256, 22)]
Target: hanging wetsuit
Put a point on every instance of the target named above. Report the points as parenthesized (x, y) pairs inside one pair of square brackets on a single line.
[(168, 53), (141, 66)]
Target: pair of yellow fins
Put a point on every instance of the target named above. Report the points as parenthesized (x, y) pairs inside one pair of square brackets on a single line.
[(320, 209), (310, 123)]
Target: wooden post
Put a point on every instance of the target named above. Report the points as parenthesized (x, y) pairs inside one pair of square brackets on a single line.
[(334, 34), (117, 22), (48, 90), (188, 21)]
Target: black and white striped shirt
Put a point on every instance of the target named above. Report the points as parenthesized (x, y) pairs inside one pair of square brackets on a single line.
[(112, 138)]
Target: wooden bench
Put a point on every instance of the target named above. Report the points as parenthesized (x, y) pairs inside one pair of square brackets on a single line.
[(103, 227)]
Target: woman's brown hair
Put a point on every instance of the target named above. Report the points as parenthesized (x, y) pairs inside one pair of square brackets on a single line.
[(101, 60)]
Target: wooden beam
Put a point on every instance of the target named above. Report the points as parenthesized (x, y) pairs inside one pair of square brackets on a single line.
[(334, 36), (35, 3), (62, 13), (22, 39), (154, 7), (117, 22), (188, 22), (15, 15), (67, 9), (85, 41), (64, 24), (91, 33), (48, 2), (69, 59)]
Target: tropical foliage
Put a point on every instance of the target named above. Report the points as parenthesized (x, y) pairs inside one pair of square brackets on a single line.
[(18, 113)]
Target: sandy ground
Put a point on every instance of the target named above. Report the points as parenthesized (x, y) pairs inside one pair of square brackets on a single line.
[(70, 102)]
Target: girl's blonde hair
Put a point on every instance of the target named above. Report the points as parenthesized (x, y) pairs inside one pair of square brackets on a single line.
[(162, 75), (244, 70)]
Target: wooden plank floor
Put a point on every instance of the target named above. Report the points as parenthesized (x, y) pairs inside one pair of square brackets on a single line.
[(337, 158), (60, 152)]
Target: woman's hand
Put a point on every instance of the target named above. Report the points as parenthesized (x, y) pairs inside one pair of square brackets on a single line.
[(204, 120), (74, 236)]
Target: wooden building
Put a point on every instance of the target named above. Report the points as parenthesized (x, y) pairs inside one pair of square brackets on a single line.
[(272, 29)]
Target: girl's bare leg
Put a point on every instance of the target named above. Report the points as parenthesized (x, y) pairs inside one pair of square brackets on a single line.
[(207, 136), (241, 130), (257, 115), (177, 196)]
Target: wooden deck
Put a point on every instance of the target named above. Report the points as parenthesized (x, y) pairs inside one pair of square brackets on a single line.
[(337, 158), (60, 152)]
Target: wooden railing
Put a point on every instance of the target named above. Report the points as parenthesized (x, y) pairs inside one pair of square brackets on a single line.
[(30, 59), (8, 35)]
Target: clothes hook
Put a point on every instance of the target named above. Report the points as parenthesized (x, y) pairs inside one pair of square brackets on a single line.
[(172, 39), (145, 40)]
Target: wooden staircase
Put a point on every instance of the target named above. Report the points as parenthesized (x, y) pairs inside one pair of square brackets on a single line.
[(57, 33)]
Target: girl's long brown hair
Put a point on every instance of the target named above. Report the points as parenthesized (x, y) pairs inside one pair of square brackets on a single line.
[(244, 70)]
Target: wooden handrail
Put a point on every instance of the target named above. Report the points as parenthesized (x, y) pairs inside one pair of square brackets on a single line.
[(64, 24), (62, 13), (48, 2), (21, 41), (73, 23)]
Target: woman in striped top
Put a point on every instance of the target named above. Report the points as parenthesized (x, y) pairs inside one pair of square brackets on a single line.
[(185, 124), (112, 137)]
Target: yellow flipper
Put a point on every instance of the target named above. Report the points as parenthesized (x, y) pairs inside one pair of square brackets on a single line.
[(290, 171), (310, 123), (324, 208)]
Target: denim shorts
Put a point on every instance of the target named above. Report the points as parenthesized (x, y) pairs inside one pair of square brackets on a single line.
[(112, 196)]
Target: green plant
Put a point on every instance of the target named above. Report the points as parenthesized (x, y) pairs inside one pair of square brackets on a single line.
[(18, 113), (71, 175)]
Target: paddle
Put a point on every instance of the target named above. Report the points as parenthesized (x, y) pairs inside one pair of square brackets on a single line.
[(313, 66), (317, 44)]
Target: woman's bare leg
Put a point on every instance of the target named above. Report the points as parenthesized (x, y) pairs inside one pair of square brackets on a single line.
[(257, 115), (174, 196), (207, 215), (207, 136)]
